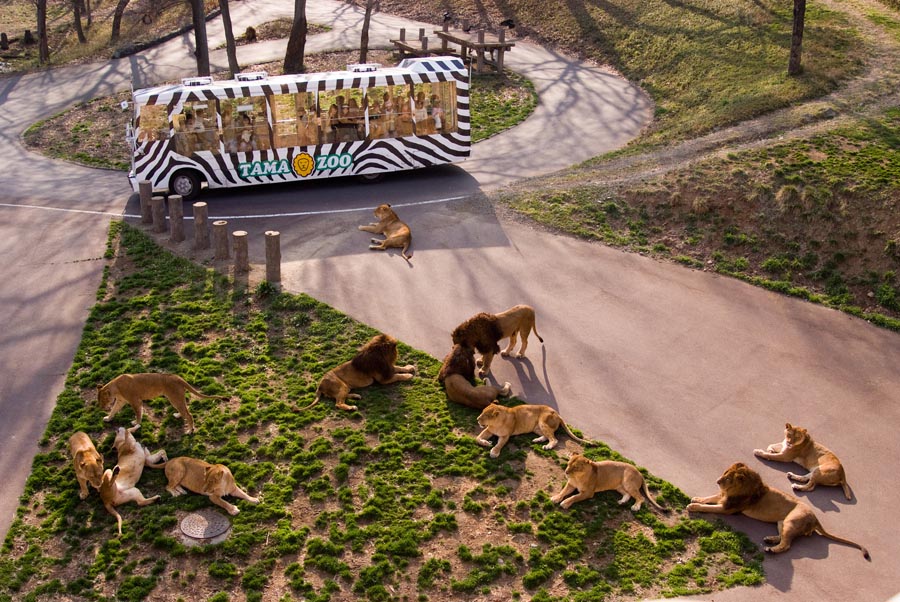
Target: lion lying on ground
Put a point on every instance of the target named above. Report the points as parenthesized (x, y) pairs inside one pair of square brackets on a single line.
[(590, 477), (505, 422), (458, 372), (212, 480), (798, 446), (396, 233), (87, 462), (119, 485), (484, 331), (741, 490), (134, 389), (374, 362)]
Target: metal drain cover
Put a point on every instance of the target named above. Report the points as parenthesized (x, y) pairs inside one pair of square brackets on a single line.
[(205, 524)]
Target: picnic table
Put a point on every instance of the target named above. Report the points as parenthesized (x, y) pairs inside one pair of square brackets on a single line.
[(485, 49)]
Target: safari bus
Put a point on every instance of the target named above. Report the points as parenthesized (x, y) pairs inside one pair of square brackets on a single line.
[(255, 129)]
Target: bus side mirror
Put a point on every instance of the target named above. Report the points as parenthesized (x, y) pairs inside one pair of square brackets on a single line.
[(124, 105)]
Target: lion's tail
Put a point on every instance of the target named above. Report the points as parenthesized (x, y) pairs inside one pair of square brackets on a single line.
[(848, 493), (576, 437), (534, 328), (646, 492), (315, 401), (194, 391), (821, 531), (408, 258)]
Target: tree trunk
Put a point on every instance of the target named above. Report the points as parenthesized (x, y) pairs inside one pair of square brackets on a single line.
[(202, 45), (296, 46), (76, 8), (117, 20), (87, 13), (794, 66), (364, 37), (230, 49), (43, 44)]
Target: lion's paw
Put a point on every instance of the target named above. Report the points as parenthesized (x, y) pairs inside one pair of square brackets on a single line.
[(483, 442), (759, 452), (495, 453), (693, 507), (107, 418), (504, 353), (520, 355)]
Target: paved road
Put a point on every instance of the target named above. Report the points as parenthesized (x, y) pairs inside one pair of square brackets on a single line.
[(682, 371)]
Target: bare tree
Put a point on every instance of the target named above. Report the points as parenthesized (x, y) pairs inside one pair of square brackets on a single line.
[(296, 46), (200, 41), (76, 9), (230, 49), (794, 66), (117, 20), (43, 44), (371, 5)]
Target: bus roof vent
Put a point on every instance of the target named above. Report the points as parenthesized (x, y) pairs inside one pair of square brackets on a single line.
[(196, 81), (363, 67), (251, 76)]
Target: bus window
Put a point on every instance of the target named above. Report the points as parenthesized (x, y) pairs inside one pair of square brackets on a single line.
[(402, 97), (443, 107), (294, 119), (153, 123), (245, 125), (344, 116), (196, 128)]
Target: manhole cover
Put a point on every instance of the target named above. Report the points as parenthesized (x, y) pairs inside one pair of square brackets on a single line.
[(205, 524)]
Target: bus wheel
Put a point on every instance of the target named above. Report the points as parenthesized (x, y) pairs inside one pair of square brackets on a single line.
[(186, 183), (371, 178)]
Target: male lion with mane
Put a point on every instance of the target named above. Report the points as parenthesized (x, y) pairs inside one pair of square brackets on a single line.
[(396, 233), (589, 477), (484, 331), (741, 490), (798, 446), (505, 422), (458, 372), (374, 362)]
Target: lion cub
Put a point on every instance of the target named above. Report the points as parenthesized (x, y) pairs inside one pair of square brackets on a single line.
[(119, 485), (133, 389), (590, 477), (396, 233), (87, 461), (505, 422), (798, 446), (212, 480)]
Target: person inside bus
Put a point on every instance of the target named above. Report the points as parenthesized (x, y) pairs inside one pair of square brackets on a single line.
[(329, 123), (404, 119), (376, 119), (389, 115), (437, 113), (246, 142), (424, 124)]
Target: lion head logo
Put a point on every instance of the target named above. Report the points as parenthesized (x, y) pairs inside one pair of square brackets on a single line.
[(303, 164)]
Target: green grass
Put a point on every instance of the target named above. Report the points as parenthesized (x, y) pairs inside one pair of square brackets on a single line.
[(500, 103), (374, 503)]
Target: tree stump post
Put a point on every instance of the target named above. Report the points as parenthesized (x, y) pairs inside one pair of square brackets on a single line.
[(176, 218), (273, 256), (201, 226), (241, 252), (220, 239), (145, 189), (158, 210)]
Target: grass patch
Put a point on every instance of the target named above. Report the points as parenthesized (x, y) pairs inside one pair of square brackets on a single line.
[(371, 503)]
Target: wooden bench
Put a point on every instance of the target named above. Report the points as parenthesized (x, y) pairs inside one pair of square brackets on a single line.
[(405, 46)]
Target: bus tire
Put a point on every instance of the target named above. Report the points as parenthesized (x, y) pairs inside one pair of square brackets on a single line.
[(371, 178), (185, 182)]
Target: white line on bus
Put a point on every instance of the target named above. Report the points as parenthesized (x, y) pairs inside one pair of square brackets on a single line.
[(235, 217)]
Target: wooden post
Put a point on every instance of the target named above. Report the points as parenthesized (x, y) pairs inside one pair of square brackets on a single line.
[(446, 28), (421, 32), (176, 218), (145, 189), (220, 239), (201, 226), (424, 43), (158, 209), (4, 42), (502, 37), (402, 34), (480, 67), (241, 252), (273, 256)]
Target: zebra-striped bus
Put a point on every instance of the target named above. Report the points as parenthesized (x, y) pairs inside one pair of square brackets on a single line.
[(257, 129)]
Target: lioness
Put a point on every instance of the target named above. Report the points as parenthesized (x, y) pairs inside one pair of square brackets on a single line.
[(133, 389), (374, 362), (484, 331), (212, 480), (590, 477), (87, 461), (741, 490), (505, 422), (457, 373), (396, 233), (798, 446), (119, 485)]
